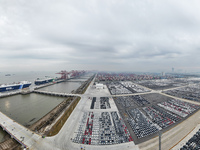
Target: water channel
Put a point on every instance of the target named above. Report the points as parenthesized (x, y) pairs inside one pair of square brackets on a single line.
[(27, 109)]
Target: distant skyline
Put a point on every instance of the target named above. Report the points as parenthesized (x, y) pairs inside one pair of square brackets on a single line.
[(119, 35)]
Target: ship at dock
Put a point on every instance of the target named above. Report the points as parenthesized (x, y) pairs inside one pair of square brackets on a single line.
[(39, 81), (65, 75), (14, 86)]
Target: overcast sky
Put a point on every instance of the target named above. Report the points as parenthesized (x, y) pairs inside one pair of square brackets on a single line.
[(116, 35)]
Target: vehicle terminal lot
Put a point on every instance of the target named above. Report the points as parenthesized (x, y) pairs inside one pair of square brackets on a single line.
[(167, 83), (161, 105), (111, 126), (190, 92), (148, 105)]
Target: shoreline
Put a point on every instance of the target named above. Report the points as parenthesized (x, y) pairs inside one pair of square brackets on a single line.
[(51, 118)]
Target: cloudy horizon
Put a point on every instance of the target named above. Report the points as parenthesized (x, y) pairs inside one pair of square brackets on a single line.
[(110, 35)]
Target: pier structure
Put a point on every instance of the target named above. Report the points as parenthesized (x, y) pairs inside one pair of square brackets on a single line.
[(56, 93), (6, 94), (22, 135)]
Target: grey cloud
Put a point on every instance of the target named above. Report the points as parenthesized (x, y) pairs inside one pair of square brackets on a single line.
[(113, 34)]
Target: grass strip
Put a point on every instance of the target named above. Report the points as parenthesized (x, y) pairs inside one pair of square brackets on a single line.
[(59, 124)]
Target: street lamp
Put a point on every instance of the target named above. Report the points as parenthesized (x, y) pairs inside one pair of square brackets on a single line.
[(160, 134)]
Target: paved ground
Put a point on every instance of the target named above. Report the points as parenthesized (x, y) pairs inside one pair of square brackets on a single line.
[(174, 135), (56, 93), (183, 142), (17, 131), (63, 140)]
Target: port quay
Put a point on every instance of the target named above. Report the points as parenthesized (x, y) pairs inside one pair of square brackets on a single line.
[(99, 74), (21, 134), (144, 114)]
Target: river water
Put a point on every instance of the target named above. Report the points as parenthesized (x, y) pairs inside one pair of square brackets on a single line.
[(64, 87), (22, 76), (27, 109)]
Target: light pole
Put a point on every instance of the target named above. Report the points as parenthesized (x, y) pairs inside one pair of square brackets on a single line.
[(160, 134)]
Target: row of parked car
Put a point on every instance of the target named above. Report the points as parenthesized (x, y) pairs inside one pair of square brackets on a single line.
[(178, 107), (102, 128), (160, 117), (193, 143), (140, 124)]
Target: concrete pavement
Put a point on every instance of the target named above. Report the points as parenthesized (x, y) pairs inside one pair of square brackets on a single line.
[(23, 135), (63, 140)]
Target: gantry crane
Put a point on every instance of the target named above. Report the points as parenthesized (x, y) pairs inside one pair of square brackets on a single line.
[(64, 74)]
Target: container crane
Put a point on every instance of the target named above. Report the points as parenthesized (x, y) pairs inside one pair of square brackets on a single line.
[(72, 74), (64, 74)]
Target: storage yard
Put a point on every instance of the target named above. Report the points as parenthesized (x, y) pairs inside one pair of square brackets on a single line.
[(128, 87), (148, 114), (190, 92), (193, 142), (132, 101), (160, 117), (126, 77), (179, 107), (100, 103), (116, 88), (134, 87), (126, 115), (102, 129), (164, 83), (141, 125)]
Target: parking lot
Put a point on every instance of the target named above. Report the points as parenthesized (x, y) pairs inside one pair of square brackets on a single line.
[(100, 103), (190, 92), (132, 101), (125, 101), (179, 107), (104, 128), (138, 117), (117, 88), (193, 143), (161, 117), (125, 87), (146, 114), (141, 125), (134, 87), (163, 83)]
